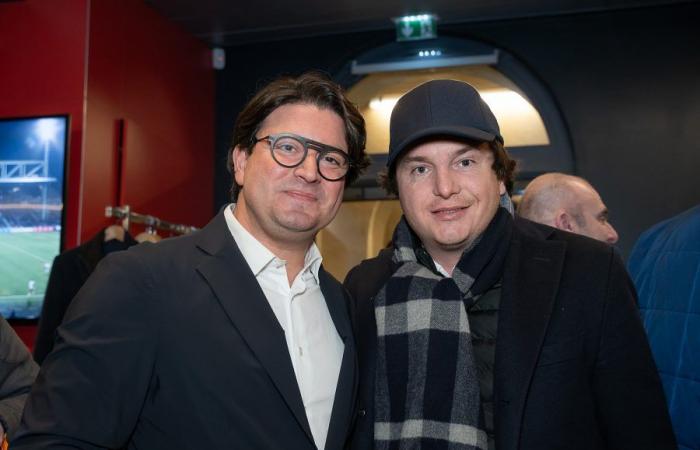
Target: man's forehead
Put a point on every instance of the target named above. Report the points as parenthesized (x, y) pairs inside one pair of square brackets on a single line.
[(588, 198), (450, 146), (309, 121)]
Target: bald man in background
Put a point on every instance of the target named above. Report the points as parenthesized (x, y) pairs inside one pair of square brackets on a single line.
[(569, 203)]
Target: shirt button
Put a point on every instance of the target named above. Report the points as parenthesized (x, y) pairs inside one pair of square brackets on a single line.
[(362, 413)]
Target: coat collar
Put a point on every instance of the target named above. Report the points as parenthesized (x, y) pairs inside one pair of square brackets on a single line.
[(530, 284), (244, 302)]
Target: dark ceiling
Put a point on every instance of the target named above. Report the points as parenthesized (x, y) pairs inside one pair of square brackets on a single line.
[(234, 22)]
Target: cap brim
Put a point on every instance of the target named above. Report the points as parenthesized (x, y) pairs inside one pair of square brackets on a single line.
[(457, 132)]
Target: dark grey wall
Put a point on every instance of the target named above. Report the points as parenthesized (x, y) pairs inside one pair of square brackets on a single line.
[(627, 84)]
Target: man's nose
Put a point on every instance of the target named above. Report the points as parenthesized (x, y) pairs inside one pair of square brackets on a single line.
[(308, 169), (445, 186), (612, 235)]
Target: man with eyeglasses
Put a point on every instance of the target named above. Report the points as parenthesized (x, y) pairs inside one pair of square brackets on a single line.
[(234, 337)]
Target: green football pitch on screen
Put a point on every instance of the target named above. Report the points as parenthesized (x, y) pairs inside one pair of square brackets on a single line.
[(25, 263)]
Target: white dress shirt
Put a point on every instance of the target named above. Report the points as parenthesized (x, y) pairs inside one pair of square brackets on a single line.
[(313, 342)]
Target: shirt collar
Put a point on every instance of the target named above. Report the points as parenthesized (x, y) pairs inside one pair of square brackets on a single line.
[(441, 269), (257, 255), (312, 261)]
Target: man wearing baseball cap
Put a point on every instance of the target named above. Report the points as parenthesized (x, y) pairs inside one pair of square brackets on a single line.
[(476, 330)]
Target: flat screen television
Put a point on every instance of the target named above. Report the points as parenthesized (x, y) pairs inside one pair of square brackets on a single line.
[(33, 155)]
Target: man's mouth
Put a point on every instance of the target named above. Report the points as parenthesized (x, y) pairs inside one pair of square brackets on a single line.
[(448, 213), (302, 195)]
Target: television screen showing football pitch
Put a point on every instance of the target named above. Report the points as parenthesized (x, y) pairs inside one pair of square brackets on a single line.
[(32, 161)]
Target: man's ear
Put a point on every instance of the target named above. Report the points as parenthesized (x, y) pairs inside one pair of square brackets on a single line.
[(564, 221), (239, 158), (501, 187)]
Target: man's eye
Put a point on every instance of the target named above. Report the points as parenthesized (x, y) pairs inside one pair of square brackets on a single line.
[(465, 162), (333, 160), (419, 170), (287, 148)]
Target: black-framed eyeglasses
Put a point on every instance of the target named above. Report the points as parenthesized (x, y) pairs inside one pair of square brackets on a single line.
[(290, 150)]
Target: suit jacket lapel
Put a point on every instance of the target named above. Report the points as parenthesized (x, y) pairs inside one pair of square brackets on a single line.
[(530, 284), (244, 302), (345, 392)]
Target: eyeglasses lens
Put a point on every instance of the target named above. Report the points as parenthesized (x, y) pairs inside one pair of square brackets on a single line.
[(290, 152)]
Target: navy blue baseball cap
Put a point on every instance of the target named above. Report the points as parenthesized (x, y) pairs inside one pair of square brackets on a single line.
[(447, 108)]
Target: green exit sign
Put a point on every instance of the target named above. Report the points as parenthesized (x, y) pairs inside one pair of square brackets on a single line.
[(416, 28)]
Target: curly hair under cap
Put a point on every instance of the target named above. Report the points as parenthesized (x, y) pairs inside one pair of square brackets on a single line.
[(311, 88)]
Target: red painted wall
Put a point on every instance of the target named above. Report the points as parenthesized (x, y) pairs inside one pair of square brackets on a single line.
[(104, 61), (158, 79)]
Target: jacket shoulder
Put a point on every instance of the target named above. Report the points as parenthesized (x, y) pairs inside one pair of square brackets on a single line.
[(576, 244), (365, 279), (588, 264)]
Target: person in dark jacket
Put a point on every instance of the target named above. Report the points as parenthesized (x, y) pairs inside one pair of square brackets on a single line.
[(476, 330), (233, 337), (17, 373), (665, 267)]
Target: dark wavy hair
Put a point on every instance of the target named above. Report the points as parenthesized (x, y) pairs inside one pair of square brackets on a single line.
[(312, 88), (503, 165)]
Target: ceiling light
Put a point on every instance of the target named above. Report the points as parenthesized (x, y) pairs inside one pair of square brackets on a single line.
[(383, 104)]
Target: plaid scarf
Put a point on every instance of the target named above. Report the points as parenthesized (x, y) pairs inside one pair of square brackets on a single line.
[(427, 390)]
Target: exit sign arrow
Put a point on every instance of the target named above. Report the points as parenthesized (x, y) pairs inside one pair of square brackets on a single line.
[(416, 28)]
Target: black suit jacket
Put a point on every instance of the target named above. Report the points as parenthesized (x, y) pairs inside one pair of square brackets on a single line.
[(573, 368), (69, 271), (174, 346)]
